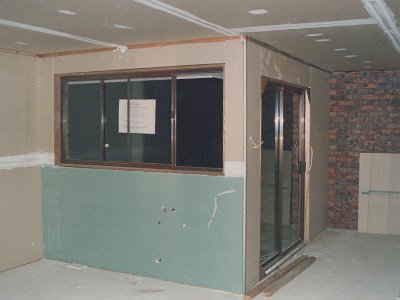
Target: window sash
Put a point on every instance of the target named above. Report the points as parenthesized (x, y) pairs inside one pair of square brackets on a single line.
[(130, 80)]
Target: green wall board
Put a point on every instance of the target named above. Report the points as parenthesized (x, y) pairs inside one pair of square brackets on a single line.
[(115, 220)]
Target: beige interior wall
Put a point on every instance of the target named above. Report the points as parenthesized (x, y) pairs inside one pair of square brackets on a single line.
[(173, 55), (319, 126), (19, 106), (234, 103), (20, 193), (20, 217), (46, 96), (253, 166), (228, 53), (282, 68)]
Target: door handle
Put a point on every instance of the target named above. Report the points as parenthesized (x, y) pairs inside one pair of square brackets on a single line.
[(301, 167)]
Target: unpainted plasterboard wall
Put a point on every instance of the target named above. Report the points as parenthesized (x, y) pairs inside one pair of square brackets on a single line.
[(231, 53), (267, 63), (379, 193), (319, 126), (146, 223), (20, 193), (253, 166), (109, 219)]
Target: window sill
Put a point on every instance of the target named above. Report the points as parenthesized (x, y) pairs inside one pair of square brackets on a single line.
[(182, 170)]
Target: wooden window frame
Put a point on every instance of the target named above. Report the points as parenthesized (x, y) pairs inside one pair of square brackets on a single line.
[(60, 123)]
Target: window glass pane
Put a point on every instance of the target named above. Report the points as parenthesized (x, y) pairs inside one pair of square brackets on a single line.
[(292, 177), (116, 142), (150, 120), (199, 120), (82, 112)]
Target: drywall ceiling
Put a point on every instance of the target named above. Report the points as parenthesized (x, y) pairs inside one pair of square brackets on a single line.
[(340, 35)]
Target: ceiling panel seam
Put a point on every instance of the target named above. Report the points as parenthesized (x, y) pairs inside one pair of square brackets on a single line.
[(117, 47), (385, 18), (310, 25), (185, 15), (3, 50)]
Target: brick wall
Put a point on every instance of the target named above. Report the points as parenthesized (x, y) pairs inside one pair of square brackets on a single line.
[(364, 117)]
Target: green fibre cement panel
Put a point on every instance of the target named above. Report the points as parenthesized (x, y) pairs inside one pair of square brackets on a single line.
[(115, 220)]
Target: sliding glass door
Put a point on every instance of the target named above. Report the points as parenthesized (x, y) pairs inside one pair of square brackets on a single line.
[(282, 171)]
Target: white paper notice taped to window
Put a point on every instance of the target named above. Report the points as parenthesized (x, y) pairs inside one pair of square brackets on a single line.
[(142, 116)]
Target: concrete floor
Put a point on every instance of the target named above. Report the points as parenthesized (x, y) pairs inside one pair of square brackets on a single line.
[(349, 266)]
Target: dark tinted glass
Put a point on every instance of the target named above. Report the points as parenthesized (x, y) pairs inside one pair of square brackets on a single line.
[(150, 120), (116, 147), (199, 121), (82, 111)]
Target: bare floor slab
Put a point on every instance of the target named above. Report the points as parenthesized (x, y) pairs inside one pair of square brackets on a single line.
[(349, 266)]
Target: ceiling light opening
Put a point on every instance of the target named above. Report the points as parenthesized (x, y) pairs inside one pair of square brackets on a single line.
[(323, 40), (340, 49), (21, 43), (351, 56), (66, 12), (119, 26), (314, 34), (260, 11)]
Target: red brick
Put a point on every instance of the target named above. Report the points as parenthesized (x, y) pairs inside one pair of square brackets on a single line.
[(364, 117)]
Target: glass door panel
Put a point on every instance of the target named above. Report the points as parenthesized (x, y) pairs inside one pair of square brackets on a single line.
[(282, 169), (292, 173), (268, 226)]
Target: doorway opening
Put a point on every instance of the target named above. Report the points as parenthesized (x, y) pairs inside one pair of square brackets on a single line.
[(282, 171)]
